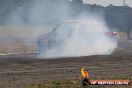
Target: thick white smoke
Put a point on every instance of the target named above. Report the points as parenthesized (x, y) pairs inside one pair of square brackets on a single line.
[(38, 15), (41, 13), (83, 39), (86, 38)]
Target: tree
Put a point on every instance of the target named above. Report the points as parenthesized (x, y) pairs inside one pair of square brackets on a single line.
[(77, 1), (119, 18)]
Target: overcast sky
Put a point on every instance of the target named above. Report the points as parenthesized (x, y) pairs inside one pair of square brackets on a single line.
[(108, 2)]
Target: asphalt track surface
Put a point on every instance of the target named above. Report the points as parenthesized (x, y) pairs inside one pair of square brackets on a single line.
[(21, 70)]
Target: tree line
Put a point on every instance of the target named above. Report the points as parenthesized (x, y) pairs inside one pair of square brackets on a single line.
[(116, 17)]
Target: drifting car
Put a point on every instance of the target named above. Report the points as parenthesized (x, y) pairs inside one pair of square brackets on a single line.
[(81, 29)]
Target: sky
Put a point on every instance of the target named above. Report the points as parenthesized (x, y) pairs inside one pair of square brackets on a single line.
[(108, 2)]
